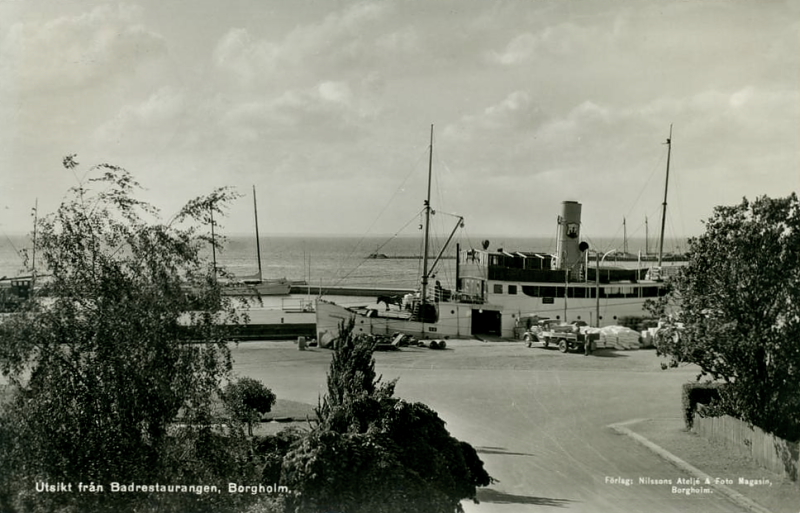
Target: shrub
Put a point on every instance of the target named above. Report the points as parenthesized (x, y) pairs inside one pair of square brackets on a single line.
[(272, 449), (372, 452), (698, 393), (247, 399)]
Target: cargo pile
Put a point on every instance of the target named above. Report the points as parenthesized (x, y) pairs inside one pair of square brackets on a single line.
[(616, 337)]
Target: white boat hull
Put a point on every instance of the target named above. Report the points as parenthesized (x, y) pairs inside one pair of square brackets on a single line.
[(455, 320), (459, 319), (578, 309), (265, 288)]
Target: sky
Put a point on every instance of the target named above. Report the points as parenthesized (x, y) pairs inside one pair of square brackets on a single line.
[(326, 108)]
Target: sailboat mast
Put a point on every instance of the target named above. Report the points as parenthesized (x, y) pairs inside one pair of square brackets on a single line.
[(258, 241), (427, 225), (664, 211), (213, 242), (33, 262)]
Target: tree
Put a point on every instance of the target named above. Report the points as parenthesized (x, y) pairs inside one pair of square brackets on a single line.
[(734, 310), (115, 376), (248, 399), (372, 452)]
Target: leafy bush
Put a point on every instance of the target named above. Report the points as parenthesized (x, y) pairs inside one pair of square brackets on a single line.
[(733, 311), (372, 452), (247, 399), (271, 450)]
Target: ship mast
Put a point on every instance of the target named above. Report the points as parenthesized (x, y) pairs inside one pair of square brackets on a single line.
[(258, 242), (624, 236), (427, 231), (664, 211)]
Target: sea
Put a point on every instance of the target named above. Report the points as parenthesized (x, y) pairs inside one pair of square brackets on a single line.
[(324, 261)]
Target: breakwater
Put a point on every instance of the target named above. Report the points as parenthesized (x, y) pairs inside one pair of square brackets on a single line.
[(350, 291), (384, 256)]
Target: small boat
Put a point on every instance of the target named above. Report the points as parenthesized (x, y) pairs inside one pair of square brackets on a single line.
[(430, 313), (255, 284), (274, 287)]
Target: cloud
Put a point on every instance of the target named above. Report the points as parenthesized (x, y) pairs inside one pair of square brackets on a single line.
[(403, 41), (518, 137), (330, 110), (239, 54), (515, 112), (342, 44), (78, 51), (152, 123), (559, 40)]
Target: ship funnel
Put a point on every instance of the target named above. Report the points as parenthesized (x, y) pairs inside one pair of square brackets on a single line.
[(568, 252)]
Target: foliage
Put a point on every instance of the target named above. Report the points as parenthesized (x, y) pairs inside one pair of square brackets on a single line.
[(698, 393), (103, 369), (271, 450), (248, 399), (734, 310), (372, 452)]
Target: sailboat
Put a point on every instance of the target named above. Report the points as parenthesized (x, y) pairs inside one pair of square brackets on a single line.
[(430, 313), (256, 284)]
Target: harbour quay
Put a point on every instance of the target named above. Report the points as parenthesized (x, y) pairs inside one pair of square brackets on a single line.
[(289, 317)]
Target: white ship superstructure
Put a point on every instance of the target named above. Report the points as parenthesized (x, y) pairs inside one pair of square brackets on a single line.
[(568, 286)]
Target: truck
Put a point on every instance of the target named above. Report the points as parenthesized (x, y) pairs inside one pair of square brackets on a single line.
[(567, 337)]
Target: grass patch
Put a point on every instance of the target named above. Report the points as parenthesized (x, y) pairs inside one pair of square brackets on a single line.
[(283, 409)]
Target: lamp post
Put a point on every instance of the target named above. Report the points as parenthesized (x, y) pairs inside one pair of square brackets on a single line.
[(583, 246), (599, 261)]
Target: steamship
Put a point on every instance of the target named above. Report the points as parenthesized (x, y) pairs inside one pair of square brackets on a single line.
[(567, 286), (497, 291)]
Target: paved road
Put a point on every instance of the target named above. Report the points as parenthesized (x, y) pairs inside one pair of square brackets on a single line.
[(538, 418)]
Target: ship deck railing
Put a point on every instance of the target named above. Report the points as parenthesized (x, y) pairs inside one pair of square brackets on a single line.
[(297, 305)]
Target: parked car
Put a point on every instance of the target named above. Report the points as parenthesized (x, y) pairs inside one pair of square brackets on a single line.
[(568, 337)]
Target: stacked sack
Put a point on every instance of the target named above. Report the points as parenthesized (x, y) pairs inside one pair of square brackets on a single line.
[(618, 337)]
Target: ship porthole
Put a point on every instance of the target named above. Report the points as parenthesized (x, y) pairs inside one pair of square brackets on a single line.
[(452, 312)]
